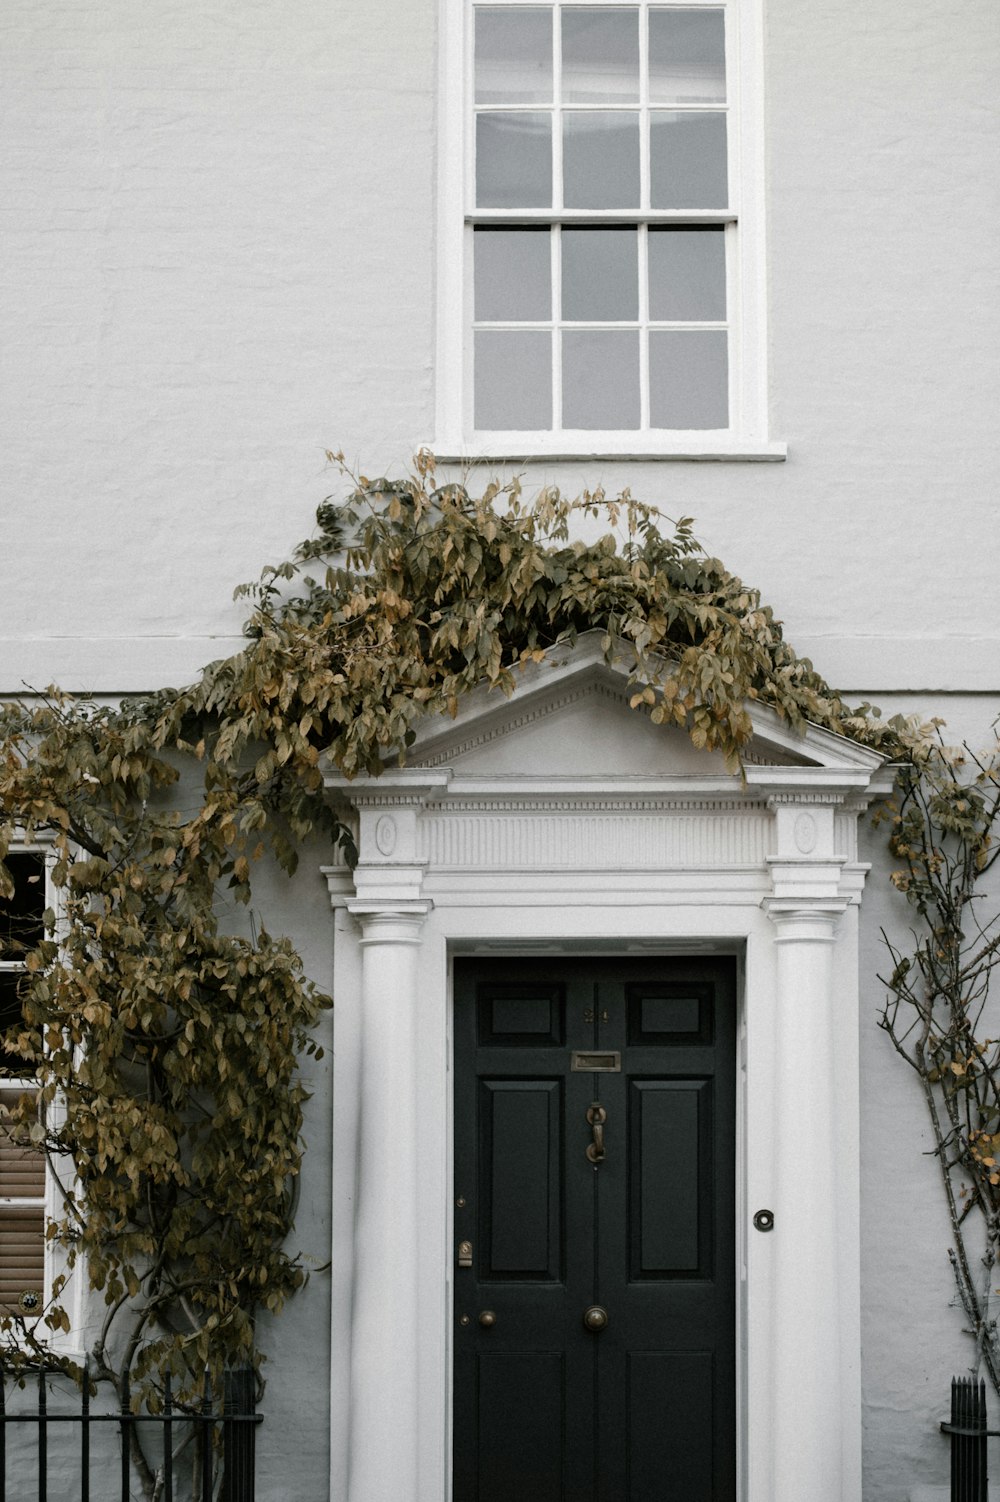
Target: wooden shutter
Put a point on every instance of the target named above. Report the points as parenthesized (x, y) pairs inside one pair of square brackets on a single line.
[(22, 1217), (22, 1167)]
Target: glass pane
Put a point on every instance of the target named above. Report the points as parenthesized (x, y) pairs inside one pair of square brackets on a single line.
[(600, 274), (513, 274), (513, 55), (687, 273), (688, 379), (687, 161), (600, 56), (514, 161), (21, 914), (601, 378), (687, 56), (601, 160), (10, 1016), (513, 379)]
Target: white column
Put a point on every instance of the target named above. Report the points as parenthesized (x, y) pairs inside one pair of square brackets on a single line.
[(384, 1350), (808, 1385), (808, 1381)]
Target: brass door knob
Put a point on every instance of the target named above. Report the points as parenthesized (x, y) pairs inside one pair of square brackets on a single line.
[(487, 1319), (595, 1318)]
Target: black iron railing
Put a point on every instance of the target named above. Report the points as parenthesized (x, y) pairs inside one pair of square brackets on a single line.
[(235, 1424), (968, 1433)]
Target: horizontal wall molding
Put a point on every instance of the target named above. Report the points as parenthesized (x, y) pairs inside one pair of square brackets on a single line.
[(856, 665), (109, 664)]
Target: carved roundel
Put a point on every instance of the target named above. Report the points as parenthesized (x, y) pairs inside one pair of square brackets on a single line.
[(385, 835), (805, 834)]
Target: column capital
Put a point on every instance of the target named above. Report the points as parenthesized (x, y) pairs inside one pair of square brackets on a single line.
[(400, 923), (805, 921)]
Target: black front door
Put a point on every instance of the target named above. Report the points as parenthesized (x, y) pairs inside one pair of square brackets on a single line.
[(594, 1231)]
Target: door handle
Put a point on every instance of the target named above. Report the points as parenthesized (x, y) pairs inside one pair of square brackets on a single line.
[(595, 1318), (597, 1116)]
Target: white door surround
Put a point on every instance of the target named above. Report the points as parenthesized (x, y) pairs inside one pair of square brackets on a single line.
[(562, 821)]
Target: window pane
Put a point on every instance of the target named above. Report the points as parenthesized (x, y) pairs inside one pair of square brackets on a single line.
[(10, 1016), (687, 56), (600, 56), (601, 160), (600, 274), (513, 379), (601, 378), (687, 160), (688, 379), (687, 273), (513, 55), (513, 274), (514, 161), (21, 914)]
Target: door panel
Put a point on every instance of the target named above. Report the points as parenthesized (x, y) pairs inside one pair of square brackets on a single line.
[(521, 1393), (670, 1173), (643, 1409), (519, 1178)]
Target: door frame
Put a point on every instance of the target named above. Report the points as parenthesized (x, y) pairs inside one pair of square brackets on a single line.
[(457, 855), (670, 923)]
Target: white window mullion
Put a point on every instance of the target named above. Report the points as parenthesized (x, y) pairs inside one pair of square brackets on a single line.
[(734, 321), (644, 199), (557, 129), (557, 200), (557, 382), (643, 326), (644, 107)]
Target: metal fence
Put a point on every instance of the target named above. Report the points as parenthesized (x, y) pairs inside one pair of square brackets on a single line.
[(968, 1433), (226, 1434)]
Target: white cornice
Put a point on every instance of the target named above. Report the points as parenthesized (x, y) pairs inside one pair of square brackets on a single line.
[(572, 673)]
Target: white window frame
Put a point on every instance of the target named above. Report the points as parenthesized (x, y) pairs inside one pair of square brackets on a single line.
[(747, 437), (52, 1203)]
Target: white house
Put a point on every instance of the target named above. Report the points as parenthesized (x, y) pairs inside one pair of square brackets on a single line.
[(739, 257)]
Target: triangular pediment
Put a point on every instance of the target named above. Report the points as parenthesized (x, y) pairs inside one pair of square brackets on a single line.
[(570, 717)]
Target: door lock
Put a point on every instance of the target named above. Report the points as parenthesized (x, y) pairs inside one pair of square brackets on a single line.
[(465, 1254)]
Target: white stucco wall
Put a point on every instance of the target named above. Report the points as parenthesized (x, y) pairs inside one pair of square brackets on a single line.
[(219, 231), (220, 260), (912, 1330)]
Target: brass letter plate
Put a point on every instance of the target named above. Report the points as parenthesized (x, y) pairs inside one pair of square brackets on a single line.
[(596, 1063)]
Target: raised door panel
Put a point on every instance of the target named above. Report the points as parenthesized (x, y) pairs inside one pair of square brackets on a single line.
[(519, 1191), (670, 1220)]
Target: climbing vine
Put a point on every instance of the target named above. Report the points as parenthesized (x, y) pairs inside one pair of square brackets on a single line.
[(164, 1031), (943, 823)]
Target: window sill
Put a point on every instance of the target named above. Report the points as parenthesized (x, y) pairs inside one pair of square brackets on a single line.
[(566, 448)]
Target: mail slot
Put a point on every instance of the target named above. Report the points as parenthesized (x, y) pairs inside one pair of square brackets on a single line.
[(596, 1063)]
